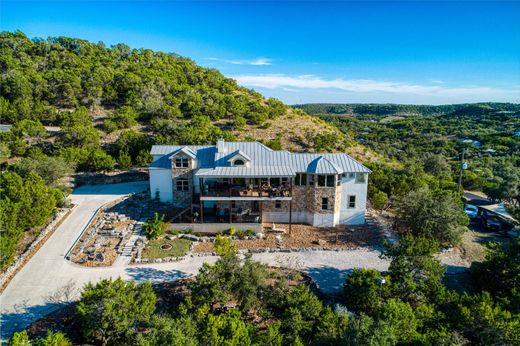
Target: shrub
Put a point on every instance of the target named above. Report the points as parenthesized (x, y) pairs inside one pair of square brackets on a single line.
[(112, 308), (154, 227), (363, 291)]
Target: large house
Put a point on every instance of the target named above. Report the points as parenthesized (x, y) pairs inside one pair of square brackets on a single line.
[(247, 182)]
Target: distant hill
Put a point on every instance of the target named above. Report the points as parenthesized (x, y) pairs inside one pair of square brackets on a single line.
[(401, 109)]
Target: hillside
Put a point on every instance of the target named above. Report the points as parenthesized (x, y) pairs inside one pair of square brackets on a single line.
[(96, 94)]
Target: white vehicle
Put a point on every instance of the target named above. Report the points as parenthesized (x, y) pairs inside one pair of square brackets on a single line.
[(471, 211)]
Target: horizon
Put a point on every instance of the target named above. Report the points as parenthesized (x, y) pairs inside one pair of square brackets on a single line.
[(352, 52)]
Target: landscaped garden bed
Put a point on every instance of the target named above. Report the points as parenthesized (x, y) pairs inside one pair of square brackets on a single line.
[(163, 247), (304, 237)]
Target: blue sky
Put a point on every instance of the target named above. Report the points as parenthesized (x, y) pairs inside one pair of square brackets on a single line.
[(373, 51)]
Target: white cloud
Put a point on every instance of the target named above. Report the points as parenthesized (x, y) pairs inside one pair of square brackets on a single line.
[(433, 90), (260, 61)]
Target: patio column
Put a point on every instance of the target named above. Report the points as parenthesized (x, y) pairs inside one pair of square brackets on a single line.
[(290, 216), (201, 188), (230, 212), (261, 212), (290, 205)]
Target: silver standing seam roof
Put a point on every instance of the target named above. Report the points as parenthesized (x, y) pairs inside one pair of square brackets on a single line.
[(263, 161)]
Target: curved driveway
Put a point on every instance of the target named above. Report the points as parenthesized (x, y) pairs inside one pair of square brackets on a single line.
[(26, 298)]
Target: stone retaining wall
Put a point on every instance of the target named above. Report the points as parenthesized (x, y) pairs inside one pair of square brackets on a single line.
[(8, 274)]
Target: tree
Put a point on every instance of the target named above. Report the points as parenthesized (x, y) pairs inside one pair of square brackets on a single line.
[(111, 308), (363, 290), (436, 165), (154, 227), (19, 339), (401, 318), (484, 322), (302, 309), (52, 339), (100, 161), (433, 215), (164, 330), (379, 200), (226, 329), (499, 274), (51, 169), (124, 160), (415, 274)]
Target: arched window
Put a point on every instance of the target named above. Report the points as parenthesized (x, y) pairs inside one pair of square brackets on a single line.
[(238, 162)]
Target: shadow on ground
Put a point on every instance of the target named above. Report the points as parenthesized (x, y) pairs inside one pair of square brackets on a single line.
[(329, 280), (154, 275), (22, 317)]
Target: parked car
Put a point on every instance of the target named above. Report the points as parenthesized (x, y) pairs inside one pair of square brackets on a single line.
[(471, 211), (494, 222), (491, 222)]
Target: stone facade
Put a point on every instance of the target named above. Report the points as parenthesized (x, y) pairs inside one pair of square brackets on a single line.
[(182, 198)]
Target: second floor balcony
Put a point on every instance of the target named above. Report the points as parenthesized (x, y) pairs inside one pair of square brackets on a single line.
[(243, 188)]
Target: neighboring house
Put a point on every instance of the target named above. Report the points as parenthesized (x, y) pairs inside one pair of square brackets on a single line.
[(247, 182)]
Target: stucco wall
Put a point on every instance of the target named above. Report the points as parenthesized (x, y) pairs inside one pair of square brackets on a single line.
[(161, 181), (353, 216)]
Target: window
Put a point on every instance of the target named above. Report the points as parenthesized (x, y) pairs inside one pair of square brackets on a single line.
[(351, 175), (326, 180), (233, 204), (278, 204), (238, 162), (301, 179), (360, 178), (351, 201), (181, 161), (324, 203), (311, 179), (182, 184)]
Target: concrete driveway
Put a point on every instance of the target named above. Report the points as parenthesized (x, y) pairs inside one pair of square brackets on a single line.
[(27, 297)]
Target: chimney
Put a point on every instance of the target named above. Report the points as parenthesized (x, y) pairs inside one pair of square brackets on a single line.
[(220, 145)]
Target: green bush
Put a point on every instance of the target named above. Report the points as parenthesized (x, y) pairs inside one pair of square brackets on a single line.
[(154, 227)]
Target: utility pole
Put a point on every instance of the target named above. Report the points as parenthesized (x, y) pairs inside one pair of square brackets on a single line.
[(463, 166)]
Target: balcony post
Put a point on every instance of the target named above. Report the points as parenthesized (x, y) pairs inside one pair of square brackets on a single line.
[(201, 188), (230, 211), (290, 216)]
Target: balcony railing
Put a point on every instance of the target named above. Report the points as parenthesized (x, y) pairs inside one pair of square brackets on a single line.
[(246, 191)]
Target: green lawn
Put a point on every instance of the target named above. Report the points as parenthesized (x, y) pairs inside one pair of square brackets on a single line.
[(153, 248)]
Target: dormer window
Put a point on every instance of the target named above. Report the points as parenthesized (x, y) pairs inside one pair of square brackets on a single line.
[(238, 162), (181, 162)]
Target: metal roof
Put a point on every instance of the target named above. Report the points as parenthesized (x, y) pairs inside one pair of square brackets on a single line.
[(323, 166), (239, 153), (249, 172), (186, 150), (263, 159)]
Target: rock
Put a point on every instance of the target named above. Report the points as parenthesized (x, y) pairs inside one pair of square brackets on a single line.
[(190, 237), (320, 242)]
